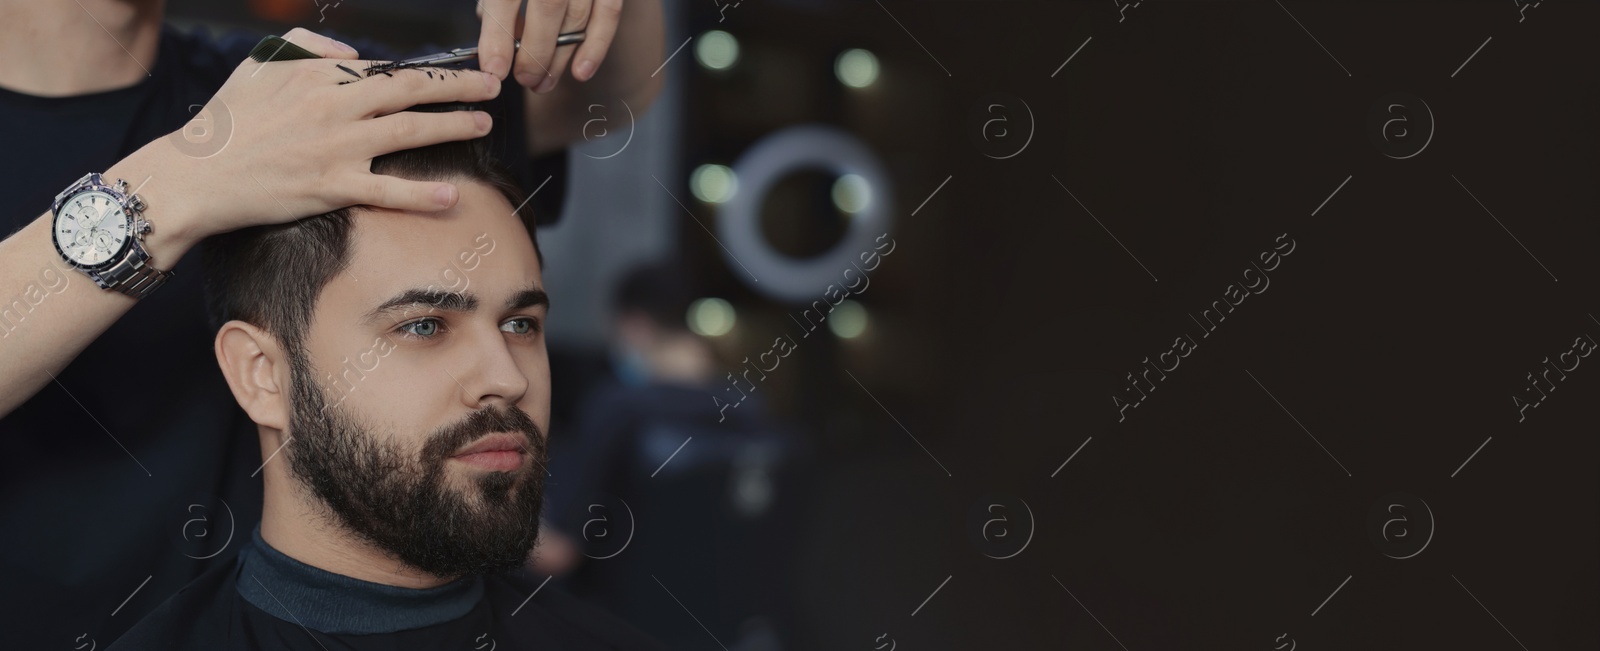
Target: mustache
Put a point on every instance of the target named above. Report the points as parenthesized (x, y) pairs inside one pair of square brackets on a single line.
[(446, 440)]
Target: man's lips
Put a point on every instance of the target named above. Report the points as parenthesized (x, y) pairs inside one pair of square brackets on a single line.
[(494, 452)]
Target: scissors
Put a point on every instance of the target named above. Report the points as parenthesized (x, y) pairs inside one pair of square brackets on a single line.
[(276, 48)]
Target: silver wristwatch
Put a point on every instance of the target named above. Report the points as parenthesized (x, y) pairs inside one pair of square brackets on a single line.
[(99, 229)]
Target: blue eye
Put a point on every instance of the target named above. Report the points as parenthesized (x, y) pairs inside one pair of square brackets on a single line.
[(520, 326), (422, 328)]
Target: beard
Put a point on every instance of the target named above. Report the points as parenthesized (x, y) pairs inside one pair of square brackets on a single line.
[(401, 502)]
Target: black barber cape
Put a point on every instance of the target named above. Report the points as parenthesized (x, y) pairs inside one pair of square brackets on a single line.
[(268, 601)]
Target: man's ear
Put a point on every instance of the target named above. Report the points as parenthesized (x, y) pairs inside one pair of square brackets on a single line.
[(251, 361)]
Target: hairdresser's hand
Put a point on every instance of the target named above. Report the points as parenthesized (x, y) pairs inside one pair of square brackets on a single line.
[(539, 63), (287, 140)]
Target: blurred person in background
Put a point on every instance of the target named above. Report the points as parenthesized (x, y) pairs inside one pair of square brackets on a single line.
[(127, 469), (650, 486)]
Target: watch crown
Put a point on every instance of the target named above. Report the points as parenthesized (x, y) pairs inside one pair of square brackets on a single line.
[(141, 226)]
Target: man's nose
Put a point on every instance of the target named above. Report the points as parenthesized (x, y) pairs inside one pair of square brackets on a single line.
[(489, 373)]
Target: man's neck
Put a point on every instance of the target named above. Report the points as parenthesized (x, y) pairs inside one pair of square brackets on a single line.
[(63, 48), (305, 534)]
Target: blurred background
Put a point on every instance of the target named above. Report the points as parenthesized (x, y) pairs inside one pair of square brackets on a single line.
[(775, 429)]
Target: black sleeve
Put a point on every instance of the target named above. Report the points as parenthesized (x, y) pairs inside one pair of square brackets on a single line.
[(544, 177), (587, 459), (551, 202)]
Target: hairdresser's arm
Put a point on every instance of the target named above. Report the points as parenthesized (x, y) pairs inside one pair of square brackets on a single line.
[(300, 144), (628, 38)]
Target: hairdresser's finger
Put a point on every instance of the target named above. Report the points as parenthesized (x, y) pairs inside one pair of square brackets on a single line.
[(319, 45), (534, 58), (577, 19), (497, 38), (603, 21), (382, 191), (402, 89), (413, 129)]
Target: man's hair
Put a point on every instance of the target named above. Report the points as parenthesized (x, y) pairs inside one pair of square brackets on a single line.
[(270, 276), (661, 290)]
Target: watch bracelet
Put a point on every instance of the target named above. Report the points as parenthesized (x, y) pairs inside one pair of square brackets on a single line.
[(132, 275)]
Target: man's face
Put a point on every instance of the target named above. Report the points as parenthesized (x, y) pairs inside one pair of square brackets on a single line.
[(421, 404)]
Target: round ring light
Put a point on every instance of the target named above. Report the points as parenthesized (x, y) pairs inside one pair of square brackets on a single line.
[(769, 161)]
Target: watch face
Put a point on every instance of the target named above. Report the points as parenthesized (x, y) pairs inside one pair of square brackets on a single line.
[(92, 229)]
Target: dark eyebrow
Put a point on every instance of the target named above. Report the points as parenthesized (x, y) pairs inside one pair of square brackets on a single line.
[(440, 300), (530, 297)]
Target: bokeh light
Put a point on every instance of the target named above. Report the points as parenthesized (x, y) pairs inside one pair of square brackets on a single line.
[(849, 320), (713, 183), (716, 50), (851, 193), (711, 317), (856, 68)]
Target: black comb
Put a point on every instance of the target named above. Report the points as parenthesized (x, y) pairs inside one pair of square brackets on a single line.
[(276, 48)]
